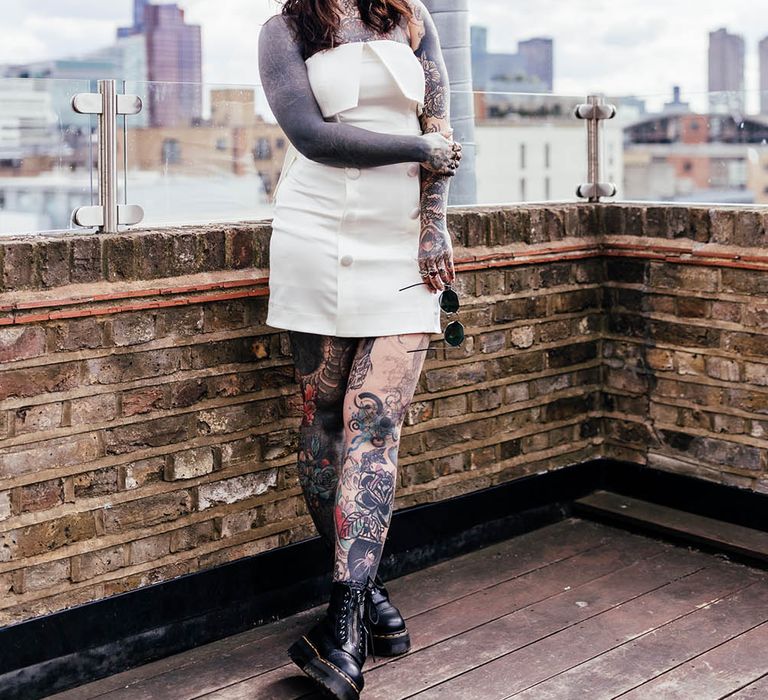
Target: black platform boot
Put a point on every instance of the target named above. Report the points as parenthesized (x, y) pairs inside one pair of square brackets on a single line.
[(333, 652), (389, 634)]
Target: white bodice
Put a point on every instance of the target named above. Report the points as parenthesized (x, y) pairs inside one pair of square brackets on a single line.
[(336, 74), (377, 85)]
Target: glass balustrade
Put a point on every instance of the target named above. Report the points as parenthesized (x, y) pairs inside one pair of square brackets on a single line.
[(48, 154), (202, 153)]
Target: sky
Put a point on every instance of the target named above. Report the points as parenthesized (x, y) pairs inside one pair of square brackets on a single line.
[(617, 47)]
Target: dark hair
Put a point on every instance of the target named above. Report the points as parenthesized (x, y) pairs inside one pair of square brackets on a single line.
[(315, 22)]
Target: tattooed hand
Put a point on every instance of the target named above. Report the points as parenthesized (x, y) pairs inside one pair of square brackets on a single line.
[(441, 158), (436, 254)]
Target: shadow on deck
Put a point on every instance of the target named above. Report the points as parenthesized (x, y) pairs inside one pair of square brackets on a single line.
[(576, 609)]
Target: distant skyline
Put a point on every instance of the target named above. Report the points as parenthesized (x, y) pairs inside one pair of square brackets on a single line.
[(640, 47)]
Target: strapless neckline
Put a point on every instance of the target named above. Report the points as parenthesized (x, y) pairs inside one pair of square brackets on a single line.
[(356, 43)]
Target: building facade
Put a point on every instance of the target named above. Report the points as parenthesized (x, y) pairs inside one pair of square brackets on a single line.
[(726, 71), (693, 158), (537, 159), (531, 69), (174, 63)]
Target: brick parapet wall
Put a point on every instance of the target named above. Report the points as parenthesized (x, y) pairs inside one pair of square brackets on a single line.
[(148, 416)]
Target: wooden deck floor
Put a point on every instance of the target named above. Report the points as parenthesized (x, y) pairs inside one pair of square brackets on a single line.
[(575, 610)]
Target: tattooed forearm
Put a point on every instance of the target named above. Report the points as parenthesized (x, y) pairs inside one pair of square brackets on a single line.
[(435, 250)]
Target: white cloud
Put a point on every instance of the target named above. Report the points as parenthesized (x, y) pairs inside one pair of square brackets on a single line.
[(628, 47)]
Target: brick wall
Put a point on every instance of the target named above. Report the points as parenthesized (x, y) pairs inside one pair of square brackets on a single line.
[(148, 416), (685, 349)]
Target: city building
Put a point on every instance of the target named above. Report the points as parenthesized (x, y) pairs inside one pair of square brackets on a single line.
[(530, 70), (676, 105), (689, 157), (174, 63), (726, 72), (763, 59), (535, 155), (27, 122), (538, 59)]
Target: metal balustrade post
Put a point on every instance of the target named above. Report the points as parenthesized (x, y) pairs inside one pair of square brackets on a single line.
[(107, 214), (593, 111)]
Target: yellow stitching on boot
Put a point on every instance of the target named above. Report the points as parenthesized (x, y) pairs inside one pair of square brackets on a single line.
[(393, 634), (330, 665), (317, 653), (340, 672)]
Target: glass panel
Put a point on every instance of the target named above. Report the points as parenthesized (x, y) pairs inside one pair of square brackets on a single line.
[(199, 153), (47, 154), (707, 147), (528, 147)]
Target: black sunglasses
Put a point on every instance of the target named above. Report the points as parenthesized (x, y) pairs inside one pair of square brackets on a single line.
[(449, 303)]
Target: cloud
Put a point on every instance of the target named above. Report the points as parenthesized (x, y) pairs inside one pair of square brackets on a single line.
[(630, 47)]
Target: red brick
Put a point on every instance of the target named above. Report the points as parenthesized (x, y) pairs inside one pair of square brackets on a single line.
[(21, 343), (143, 400), (78, 334), (43, 495)]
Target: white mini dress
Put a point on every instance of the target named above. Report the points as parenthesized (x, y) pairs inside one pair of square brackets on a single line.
[(345, 241)]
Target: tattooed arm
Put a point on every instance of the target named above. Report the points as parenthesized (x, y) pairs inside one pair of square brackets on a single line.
[(435, 250), (289, 94)]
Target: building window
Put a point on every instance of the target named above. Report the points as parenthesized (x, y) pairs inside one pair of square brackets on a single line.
[(262, 149), (522, 189), (221, 144), (687, 166), (547, 154), (547, 188), (522, 156), (171, 154)]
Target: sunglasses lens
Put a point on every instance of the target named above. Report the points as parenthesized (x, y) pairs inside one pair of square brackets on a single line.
[(449, 301), (454, 333)]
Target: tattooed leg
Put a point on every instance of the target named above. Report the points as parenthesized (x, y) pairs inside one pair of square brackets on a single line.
[(382, 383), (322, 367)]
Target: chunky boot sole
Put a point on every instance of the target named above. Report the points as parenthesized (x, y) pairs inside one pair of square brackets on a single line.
[(331, 679), (391, 644)]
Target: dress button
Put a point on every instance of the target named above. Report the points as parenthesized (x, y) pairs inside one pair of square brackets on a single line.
[(414, 169), (353, 173), (416, 213), (347, 260)]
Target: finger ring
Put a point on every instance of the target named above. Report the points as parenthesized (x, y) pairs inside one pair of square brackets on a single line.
[(433, 273), (424, 273)]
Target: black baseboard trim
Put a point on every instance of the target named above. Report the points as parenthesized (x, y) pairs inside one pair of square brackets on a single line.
[(84, 643)]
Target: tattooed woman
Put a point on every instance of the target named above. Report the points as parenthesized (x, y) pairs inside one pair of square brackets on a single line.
[(359, 250)]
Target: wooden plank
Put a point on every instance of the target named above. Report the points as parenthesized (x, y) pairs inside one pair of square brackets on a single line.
[(736, 538), (715, 673), (450, 619), (533, 663), (757, 690), (248, 654), (423, 669), (630, 664)]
